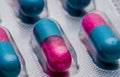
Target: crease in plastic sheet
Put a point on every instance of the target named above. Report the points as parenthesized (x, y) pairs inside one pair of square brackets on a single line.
[(71, 26)]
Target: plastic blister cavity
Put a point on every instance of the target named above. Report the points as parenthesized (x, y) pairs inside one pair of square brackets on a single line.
[(54, 51), (29, 11), (12, 63), (101, 40), (78, 8)]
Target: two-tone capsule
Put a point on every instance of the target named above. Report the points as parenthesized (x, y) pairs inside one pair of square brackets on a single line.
[(103, 38), (53, 45), (77, 7), (11, 61)]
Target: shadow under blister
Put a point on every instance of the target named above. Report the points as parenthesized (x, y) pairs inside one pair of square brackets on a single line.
[(56, 74), (28, 20), (73, 12)]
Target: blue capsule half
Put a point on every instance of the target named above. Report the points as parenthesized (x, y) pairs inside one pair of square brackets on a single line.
[(31, 8)]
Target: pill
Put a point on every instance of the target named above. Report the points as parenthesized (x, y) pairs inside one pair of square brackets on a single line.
[(76, 7), (54, 48), (31, 8), (102, 37), (78, 4), (9, 62)]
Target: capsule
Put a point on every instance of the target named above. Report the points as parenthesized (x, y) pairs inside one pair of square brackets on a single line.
[(31, 8), (52, 43), (10, 64), (78, 4), (78, 7), (102, 37)]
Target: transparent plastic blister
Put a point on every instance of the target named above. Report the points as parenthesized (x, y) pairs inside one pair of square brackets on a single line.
[(103, 47), (78, 8), (38, 9), (40, 53), (12, 62), (21, 33)]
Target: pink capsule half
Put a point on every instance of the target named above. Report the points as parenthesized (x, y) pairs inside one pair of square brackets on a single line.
[(92, 20), (56, 53), (53, 45), (3, 36)]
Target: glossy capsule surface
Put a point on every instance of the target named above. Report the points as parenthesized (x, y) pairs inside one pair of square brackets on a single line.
[(102, 37), (78, 4), (31, 8), (9, 62), (76, 8), (53, 45)]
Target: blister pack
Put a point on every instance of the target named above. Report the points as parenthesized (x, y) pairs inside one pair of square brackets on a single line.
[(54, 37)]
